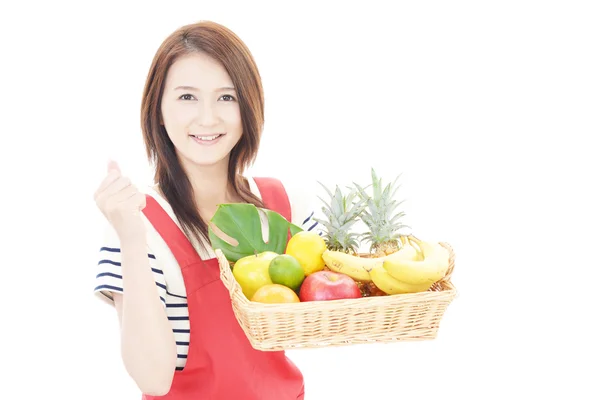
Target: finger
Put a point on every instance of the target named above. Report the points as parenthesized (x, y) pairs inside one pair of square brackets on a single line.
[(140, 201), (125, 193), (112, 190), (111, 177), (118, 185), (117, 201), (113, 166), (135, 202)]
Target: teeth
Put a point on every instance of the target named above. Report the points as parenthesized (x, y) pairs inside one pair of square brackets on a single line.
[(207, 138)]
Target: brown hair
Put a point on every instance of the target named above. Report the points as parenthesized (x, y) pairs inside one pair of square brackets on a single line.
[(227, 48)]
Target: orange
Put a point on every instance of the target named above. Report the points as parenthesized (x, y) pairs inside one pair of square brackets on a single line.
[(307, 247), (275, 293)]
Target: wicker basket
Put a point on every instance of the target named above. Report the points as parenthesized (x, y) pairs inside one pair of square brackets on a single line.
[(377, 319)]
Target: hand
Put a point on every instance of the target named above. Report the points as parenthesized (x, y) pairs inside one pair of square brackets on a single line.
[(121, 202)]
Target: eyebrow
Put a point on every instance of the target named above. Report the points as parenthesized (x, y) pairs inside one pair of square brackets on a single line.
[(197, 90)]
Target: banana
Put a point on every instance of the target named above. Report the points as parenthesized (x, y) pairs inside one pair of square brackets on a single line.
[(428, 270), (357, 267), (354, 266), (407, 252), (390, 285)]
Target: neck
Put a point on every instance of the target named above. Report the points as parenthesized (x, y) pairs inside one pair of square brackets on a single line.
[(211, 187)]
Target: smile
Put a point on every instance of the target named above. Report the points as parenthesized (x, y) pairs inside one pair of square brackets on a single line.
[(205, 138)]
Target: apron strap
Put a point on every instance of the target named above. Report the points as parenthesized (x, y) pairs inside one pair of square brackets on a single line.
[(173, 236), (274, 196)]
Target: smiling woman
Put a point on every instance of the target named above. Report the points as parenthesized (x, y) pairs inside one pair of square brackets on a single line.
[(200, 107), (202, 119)]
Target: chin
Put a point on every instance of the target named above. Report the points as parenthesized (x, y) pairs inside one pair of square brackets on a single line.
[(208, 159), (209, 162)]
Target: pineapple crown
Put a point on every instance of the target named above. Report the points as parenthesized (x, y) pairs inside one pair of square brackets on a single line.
[(380, 214), (341, 213)]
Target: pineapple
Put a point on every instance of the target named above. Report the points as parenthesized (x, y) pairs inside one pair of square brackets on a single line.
[(341, 213), (380, 217)]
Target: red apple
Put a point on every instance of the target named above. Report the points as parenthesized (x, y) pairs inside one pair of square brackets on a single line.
[(328, 285)]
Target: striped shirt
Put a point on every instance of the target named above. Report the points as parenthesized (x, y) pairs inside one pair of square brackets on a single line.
[(167, 275)]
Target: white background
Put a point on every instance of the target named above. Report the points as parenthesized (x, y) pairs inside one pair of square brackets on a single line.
[(488, 109)]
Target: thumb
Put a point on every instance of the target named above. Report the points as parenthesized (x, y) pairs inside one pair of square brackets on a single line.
[(112, 165)]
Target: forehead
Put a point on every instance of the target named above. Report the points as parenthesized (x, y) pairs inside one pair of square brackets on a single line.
[(198, 70)]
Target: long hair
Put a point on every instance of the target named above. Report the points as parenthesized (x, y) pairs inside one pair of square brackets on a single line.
[(227, 48)]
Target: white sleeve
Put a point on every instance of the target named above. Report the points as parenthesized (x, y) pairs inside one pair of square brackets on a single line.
[(304, 203), (109, 278)]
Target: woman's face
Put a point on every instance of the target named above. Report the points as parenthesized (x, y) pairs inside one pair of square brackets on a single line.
[(200, 111)]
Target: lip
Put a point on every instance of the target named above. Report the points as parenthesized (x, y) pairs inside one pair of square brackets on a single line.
[(208, 142)]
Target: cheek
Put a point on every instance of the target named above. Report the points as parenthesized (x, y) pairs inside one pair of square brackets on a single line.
[(177, 116), (232, 116)]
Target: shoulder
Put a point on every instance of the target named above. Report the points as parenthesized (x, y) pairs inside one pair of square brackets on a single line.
[(302, 195), (298, 190)]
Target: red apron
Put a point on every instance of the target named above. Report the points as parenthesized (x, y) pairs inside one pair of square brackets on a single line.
[(221, 363)]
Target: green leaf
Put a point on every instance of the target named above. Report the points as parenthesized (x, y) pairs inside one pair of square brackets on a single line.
[(295, 229), (242, 223)]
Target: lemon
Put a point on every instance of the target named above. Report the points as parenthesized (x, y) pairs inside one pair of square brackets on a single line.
[(307, 247), (252, 272)]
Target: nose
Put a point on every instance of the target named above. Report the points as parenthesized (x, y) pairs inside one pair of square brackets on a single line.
[(207, 114)]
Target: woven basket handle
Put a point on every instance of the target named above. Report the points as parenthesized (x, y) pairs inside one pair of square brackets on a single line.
[(450, 262), (226, 274)]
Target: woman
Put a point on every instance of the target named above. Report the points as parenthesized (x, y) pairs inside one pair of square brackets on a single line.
[(202, 117)]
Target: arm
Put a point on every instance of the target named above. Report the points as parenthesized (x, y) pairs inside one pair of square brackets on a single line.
[(148, 346)]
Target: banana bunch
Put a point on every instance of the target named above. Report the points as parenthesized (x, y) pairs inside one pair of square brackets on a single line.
[(358, 267), (414, 268)]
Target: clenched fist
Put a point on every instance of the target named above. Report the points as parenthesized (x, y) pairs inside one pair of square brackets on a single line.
[(121, 202)]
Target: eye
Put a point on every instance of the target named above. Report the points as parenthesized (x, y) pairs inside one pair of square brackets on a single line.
[(228, 97), (186, 96)]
